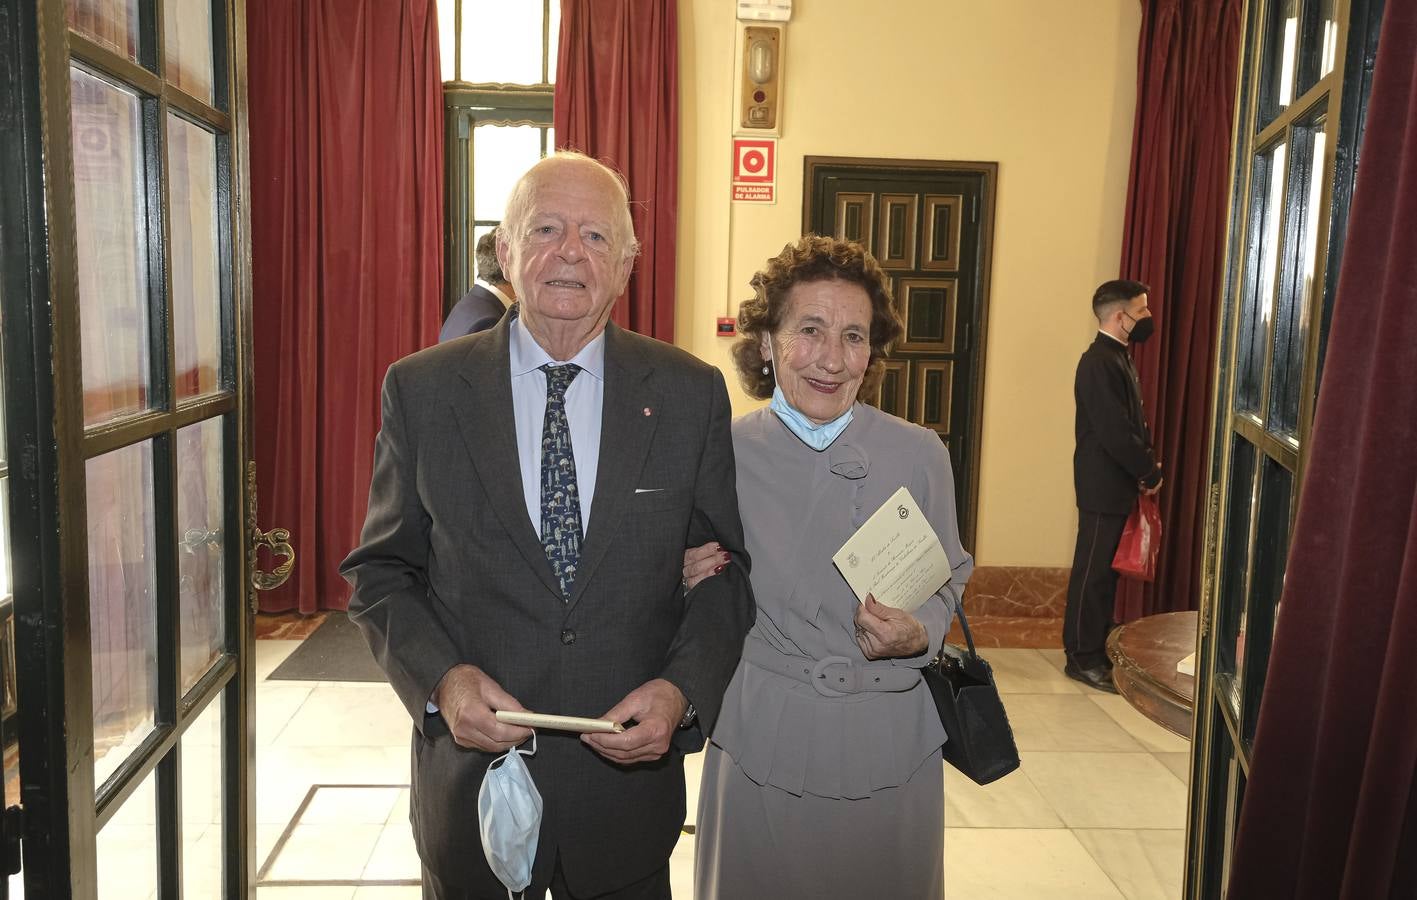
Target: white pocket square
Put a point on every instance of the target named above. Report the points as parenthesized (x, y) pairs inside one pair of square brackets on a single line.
[(648, 490)]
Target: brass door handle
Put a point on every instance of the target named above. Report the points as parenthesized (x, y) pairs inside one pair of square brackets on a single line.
[(278, 539)]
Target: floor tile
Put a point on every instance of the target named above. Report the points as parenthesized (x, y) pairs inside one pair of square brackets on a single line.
[(1028, 672), (1151, 735), (277, 704), (1178, 763), (1021, 864), (270, 654), (1010, 802), (325, 852), (333, 804), (1056, 658), (1145, 865), (394, 856), (1108, 790), (362, 715), (681, 868), (693, 775), (1064, 722), (304, 893), (400, 811)]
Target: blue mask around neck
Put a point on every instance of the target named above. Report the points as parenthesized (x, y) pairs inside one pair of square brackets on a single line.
[(818, 437)]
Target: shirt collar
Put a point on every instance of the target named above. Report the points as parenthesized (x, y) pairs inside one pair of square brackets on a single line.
[(506, 301), (1120, 343), (527, 355)]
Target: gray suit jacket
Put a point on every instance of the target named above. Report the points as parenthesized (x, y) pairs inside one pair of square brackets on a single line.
[(450, 570), (478, 310)]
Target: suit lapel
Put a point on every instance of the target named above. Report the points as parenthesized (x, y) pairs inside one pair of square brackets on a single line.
[(626, 432), (487, 423)]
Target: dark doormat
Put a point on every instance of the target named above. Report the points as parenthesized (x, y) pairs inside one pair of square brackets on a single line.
[(335, 651)]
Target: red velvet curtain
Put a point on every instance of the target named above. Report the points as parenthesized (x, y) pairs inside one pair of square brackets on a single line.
[(617, 100), (1174, 240), (1330, 812), (347, 230)]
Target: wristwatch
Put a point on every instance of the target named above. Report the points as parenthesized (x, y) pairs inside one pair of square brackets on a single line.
[(689, 715)]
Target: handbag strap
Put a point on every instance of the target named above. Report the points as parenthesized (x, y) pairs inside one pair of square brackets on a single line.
[(964, 626)]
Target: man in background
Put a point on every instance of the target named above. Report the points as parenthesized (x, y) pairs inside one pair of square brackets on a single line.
[(1113, 462), (481, 307)]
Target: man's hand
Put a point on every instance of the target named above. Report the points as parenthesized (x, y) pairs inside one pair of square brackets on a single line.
[(1152, 491), (466, 699), (657, 706), (703, 562), (884, 632)]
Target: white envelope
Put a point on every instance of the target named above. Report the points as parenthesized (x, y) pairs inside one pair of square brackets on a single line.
[(895, 556)]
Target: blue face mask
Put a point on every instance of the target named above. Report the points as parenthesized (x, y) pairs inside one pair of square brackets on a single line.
[(818, 437), (509, 817)]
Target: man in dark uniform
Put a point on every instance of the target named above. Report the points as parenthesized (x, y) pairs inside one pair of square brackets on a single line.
[(1113, 462), (482, 306)]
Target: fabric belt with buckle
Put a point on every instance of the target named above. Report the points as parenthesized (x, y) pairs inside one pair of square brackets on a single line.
[(835, 676)]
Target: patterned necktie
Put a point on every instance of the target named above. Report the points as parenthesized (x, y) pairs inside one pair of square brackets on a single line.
[(560, 502)]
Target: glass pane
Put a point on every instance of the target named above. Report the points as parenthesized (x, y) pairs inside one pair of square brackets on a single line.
[(501, 42), (500, 155), (6, 583), (187, 27), (127, 847), (122, 613), (112, 23), (110, 224), (3, 442), (196, 291), (1216, 785), (1262, 256), (553, 42), (1293, 300), (1320, 43), (1234, 558), (1281, 51), (201, 805), (201, 557), (447, 38), (1271, 553)]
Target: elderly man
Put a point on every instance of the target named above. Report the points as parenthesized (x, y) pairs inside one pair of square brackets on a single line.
[(534, 489)]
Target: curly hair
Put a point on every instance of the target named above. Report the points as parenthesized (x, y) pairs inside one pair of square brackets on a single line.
[(810, 259)]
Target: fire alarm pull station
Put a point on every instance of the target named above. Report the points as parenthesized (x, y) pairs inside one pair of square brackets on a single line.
[(727, 326)]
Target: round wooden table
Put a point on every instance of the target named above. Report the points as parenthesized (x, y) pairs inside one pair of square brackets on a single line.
[(1144, 654)]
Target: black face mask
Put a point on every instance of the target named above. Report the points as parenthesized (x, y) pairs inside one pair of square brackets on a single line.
[(1143, 329)]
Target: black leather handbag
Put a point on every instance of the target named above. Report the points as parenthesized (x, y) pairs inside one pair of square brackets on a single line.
[(981, 743)]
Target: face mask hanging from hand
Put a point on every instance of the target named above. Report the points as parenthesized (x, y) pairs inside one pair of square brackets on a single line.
[(509, 817)]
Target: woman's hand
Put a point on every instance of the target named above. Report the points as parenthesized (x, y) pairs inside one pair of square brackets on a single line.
[(702, 562), (883, 632)]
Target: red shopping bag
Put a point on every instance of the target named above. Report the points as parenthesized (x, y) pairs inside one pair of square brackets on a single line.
[(1141, 541)]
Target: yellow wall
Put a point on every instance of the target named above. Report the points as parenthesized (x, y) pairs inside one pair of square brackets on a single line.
[(1046, 89)]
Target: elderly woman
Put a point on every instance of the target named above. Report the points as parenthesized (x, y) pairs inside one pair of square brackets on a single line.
[(807, 791)]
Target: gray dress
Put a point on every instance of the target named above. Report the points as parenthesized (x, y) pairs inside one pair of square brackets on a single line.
[(808, 795)]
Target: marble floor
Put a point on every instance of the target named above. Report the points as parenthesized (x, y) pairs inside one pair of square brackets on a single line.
[(1096, 812)]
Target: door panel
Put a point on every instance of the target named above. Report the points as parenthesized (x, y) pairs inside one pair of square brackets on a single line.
[(126, 320), (929, 226)]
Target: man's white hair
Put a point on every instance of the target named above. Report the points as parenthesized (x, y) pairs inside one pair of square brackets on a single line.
[(519, 202)]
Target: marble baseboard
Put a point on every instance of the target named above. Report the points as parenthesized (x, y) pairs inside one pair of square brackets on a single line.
[(288, 626), (1014, 632), (1017, 591)]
